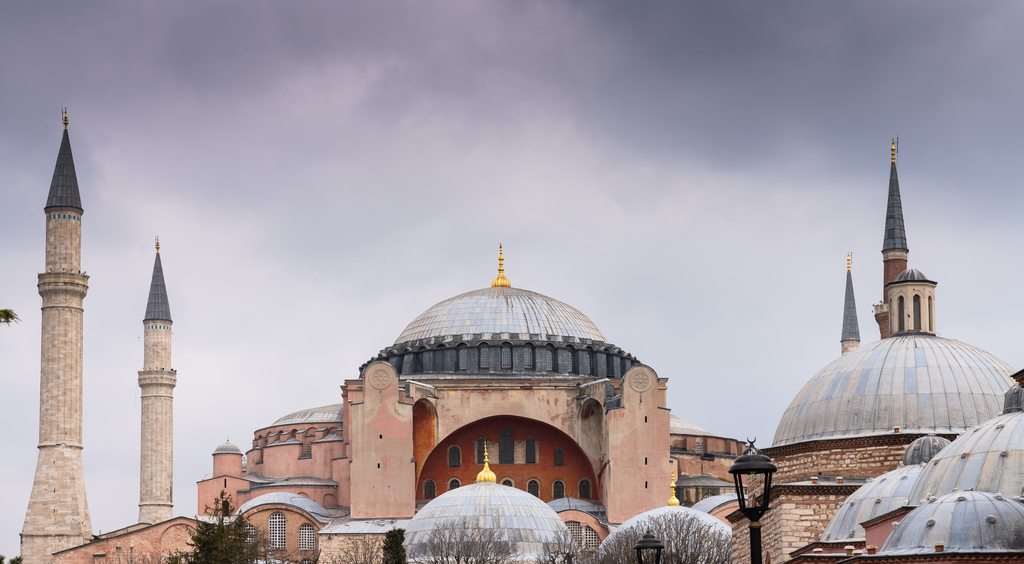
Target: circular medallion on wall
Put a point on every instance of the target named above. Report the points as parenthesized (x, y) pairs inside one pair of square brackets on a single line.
[(641, 381), (380, 379)]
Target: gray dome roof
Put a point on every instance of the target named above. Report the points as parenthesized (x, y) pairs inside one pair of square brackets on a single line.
[(1013, 400), (986, 458), (526, 520), (877, 496), (501, 310), (911, 275), (286, 498), (923, 449), (919, 383), (709, 504), (227, 448), (325, 414), (679, 426), (963, 522)]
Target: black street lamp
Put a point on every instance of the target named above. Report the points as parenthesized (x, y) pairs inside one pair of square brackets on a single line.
[(648, 542), (752, 462)]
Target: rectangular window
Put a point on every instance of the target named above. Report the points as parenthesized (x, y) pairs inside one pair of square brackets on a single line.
[(550, 360), (506, 446), (485, 357), (528, 358), (463, 359), (506, 358), (531, 450)]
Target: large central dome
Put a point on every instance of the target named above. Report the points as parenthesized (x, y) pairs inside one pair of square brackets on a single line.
[(499, 310), (919, 383)]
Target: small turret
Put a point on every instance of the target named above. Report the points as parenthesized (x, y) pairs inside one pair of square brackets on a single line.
[(851, 330)]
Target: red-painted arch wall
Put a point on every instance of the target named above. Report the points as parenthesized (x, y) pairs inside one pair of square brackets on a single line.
[(575, 463)]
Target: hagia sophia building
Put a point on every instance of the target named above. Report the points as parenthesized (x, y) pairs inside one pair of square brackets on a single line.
[(515, 407)]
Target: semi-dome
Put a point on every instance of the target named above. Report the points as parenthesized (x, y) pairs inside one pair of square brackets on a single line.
[(524, 518), (501, 309), (986, 458), (293, 500), (687, 512), (961, 522), (227, 448), (923, 449), (919, 383), (877, 496), (911, 275), (324, 414)]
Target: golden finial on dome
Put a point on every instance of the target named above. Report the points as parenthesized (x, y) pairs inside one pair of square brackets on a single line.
[(673, 500), (65, 110), (893, 149), (486, 475), (501, 281), (158, 243)]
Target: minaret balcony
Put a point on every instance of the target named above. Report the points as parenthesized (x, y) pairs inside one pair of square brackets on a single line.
[(881, 308)]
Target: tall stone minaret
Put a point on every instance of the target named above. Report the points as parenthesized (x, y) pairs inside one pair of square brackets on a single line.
[(851, 329), (894, 246), (157, 380), (58, 513)]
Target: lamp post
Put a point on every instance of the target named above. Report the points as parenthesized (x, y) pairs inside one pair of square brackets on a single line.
[(648, 542), (752, 463)]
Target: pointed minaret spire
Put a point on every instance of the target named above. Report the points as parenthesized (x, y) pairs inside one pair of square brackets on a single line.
[(894, 245), (851, 330), (64, 186), (158, 309)]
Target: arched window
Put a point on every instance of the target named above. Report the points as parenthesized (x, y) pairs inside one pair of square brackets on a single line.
[(453, 484), (528, 357), (429, 489), (570, 361), (481, 443), (454, 457), (610, 361), (307, 537), (558, 489), (278, 531), (507, 482), (549, 359), (463, 359), (591, 363), (531, 450), (485, 357), (533, 488), (306, 561), (250, 533), (506, 357), (917, 313), (901, 314), (558, 456), (931, 315), (506, 446), (584, 489)]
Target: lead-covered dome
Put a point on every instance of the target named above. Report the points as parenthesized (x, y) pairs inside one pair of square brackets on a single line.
[(324, 414), (499, 310), (876, 497), (524, 518), (962, 522), (919, 383)]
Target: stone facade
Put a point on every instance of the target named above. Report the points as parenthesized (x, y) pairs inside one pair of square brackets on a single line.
[(145, 544), (862, 457), (58, 512), (157, 381)]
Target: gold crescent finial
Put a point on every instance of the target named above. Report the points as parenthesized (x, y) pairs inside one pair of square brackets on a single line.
[(673, 500), (65, 110), (893, 149), (486, 475), (158, 243), (501, 281)]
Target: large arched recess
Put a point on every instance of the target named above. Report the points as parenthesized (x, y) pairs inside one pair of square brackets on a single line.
[(424, 432), (575, 463)]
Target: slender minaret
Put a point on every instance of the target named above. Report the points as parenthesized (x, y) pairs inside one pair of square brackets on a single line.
[(894, 247), (58, 513), (157, 380), (851, 330)]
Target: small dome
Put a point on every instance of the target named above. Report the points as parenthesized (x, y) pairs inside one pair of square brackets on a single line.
[(525, 519), (985, 458), (709, 504), (919, 383), (923, 449), (228, 448), (501, 310), (285, 498), (702, 517), (1013, 400), (962, 522), (911, 275), (877, 496), (325, 414), (679, 426)]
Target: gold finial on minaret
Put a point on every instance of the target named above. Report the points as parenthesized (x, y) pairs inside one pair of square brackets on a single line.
[(848, 260), (65, 118), (893, 149), (673, 500), (486, 475), (158, 243), (501, 281)]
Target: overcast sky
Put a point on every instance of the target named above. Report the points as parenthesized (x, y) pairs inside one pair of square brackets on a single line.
[(690, 176)]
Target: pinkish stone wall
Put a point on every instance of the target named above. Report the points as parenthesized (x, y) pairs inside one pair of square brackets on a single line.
[(147, 545)]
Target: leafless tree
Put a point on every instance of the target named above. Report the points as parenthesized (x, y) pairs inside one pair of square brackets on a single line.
[(368, 549), (563, 549), (455, 542), (687, 540)]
